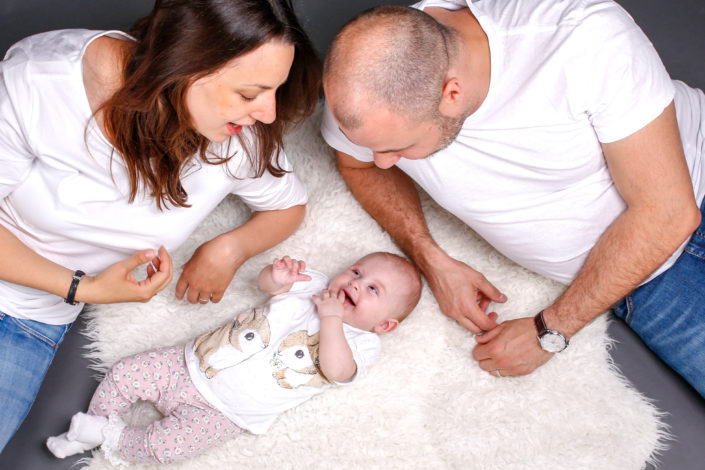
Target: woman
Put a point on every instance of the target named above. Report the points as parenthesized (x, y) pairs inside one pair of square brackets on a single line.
[(113, 145)]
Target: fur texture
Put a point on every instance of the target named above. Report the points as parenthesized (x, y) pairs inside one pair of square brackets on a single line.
[(425, 403)]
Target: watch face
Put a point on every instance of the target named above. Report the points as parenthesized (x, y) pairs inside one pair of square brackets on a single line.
[(553, 342)]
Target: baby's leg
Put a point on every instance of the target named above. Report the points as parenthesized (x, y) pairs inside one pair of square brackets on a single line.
[(186, 432), (189, 426), (145, 376)]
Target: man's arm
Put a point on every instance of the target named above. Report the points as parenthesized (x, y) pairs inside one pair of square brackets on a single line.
[(651, 174), (391, 198)]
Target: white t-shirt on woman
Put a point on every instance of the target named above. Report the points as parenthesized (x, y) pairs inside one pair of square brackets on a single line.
[(64, 193)]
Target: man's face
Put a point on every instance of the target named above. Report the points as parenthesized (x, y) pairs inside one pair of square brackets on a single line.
[(392, 137)]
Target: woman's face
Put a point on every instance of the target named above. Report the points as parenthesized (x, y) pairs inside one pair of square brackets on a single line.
[(239, 93)]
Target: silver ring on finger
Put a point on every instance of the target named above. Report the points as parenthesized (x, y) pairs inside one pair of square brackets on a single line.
[(204, 301)]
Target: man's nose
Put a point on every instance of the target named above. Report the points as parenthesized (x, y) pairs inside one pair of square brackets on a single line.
[(386, 160)]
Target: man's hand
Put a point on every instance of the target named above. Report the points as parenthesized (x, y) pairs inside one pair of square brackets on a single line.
[(512, 348), (463, 294)]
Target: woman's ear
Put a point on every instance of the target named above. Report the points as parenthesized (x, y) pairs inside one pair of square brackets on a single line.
[(387, 326)]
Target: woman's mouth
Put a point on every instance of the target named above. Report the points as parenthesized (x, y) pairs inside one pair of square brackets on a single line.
[(233, 128)]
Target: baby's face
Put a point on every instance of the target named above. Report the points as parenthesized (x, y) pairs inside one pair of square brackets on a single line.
[(373, 291)]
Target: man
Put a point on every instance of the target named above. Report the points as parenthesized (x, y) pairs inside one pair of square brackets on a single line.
[(552, 129)]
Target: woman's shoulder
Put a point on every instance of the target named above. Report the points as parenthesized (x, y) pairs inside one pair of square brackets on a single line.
[(50, 46)]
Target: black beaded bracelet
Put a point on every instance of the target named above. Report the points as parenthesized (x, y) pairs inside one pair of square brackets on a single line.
[(77, 275)]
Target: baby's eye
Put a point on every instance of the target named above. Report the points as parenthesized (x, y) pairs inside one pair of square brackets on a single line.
[(373, 289), (356, 272)]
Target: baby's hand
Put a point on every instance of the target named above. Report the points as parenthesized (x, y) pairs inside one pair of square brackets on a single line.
[(329, 305), (287, 271)]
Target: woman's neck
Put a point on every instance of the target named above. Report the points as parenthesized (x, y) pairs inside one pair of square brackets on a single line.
[(103, 65)]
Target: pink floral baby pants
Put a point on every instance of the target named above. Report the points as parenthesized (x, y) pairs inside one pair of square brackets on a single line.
[(190, 424)]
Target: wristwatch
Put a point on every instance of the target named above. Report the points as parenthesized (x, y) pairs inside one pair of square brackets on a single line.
[(550, 340)]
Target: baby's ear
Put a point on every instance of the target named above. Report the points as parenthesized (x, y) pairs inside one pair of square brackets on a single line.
[(387, 326)]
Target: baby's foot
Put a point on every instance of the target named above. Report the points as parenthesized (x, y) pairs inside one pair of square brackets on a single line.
[(87, 428), (61, 447)]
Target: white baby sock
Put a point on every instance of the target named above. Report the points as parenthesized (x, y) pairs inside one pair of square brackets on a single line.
[(87, 429), (61, 447)]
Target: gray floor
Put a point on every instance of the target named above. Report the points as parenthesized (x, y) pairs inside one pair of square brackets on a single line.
[(677, 29)]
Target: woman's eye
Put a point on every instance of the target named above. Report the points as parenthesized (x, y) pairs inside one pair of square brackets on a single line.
[(247, 98)]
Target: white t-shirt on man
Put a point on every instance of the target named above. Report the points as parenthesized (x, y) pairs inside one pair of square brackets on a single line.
[(527, 172)]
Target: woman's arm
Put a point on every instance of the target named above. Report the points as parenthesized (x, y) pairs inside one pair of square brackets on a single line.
[(116, 283), (213, 265)]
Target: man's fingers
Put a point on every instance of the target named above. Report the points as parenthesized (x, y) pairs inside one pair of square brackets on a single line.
[(468, 324), (481, 319), (490, 291), (487, 336)]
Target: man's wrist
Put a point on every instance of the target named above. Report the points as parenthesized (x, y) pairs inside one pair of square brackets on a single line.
[(549, 339)]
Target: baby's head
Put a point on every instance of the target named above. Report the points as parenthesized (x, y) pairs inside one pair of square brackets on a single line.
[(380, 290)]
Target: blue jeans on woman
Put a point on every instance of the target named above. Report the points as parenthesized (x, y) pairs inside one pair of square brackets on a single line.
[(26, 351), (668, 312)]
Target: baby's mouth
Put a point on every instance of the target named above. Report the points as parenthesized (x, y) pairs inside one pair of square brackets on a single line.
[(348, 299)]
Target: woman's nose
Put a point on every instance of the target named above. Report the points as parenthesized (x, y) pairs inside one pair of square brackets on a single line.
[(266, 112)]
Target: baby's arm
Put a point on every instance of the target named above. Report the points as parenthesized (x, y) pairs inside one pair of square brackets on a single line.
[(279, 276), (334, 354)]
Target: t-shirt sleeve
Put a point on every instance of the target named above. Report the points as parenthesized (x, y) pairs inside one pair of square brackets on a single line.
[(269, 192), (335, 138), (619, 73), (16, 157), (365, 347)]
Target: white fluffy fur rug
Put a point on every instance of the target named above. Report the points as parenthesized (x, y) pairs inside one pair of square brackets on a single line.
[(425, 403)]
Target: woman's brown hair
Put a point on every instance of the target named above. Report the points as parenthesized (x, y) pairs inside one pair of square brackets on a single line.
[(178, 42)]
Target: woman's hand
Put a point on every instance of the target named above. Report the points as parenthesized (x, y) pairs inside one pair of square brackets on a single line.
[(214, 264), (210, 270), (116, 283)]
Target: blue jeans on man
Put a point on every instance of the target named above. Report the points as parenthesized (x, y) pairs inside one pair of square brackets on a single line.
[(668, 312)]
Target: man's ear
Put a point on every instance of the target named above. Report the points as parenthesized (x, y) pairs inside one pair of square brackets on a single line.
[(387, 326), (451, 98)]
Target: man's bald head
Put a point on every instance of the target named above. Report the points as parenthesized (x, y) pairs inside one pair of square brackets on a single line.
[(392, 56)]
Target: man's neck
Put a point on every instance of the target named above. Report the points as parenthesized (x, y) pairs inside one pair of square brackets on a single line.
[(471, 66)]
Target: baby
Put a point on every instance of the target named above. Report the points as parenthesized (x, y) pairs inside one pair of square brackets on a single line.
[(244, 374)]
